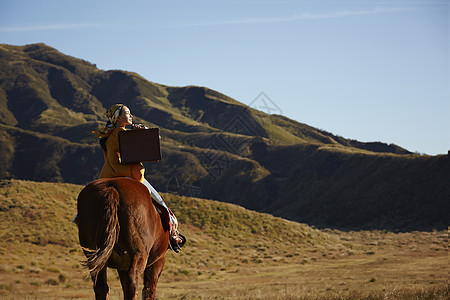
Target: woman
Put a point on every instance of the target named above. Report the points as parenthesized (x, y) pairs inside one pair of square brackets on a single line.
[(118, 117)]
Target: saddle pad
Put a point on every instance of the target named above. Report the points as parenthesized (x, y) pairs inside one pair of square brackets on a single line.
[(139, 145)]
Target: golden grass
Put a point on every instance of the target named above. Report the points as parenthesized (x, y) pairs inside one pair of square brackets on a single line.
[(232, 253)]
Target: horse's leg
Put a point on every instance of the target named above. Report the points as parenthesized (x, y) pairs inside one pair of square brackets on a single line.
[(151, 276), (101, 288), (129, 278), (123, 280)]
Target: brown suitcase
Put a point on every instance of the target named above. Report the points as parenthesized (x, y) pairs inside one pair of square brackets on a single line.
[(139, 145)]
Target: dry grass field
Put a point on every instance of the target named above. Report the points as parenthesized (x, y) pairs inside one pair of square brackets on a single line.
[(232, 253)]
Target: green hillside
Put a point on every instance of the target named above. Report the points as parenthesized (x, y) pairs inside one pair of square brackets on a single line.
[(213, 147), (38, 237), (232, 253)]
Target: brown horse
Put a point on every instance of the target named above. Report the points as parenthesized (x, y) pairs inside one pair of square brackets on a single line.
[(119, 227)]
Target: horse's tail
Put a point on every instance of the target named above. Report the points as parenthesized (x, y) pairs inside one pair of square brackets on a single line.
[(107, 232)]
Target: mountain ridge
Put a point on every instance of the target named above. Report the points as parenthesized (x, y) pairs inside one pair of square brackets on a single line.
[(213, 144)]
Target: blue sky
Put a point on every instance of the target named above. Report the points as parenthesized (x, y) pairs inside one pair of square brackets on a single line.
[(365, 70)]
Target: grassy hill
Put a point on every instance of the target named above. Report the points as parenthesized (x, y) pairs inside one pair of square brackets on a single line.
[(232, 253), (213, 147)]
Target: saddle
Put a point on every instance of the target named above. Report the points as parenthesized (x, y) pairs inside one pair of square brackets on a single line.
[(164, 214)]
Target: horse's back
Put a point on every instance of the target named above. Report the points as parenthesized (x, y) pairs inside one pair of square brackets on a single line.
[(97, 195), (128, 190), (121, 184), (138, 220)]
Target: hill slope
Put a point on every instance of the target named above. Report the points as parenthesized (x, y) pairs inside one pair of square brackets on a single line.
[(213, 146), (39, 243), (232, 253)]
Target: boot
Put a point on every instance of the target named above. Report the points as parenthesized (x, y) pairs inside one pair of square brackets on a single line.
[(176, 241)]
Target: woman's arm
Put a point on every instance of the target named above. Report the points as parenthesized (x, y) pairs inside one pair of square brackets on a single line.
[(113, 155)]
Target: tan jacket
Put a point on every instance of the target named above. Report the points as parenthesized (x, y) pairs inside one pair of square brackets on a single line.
[(112, 166)]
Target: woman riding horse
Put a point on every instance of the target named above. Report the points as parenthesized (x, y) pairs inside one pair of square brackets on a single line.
[(118, 224), (118, 117)]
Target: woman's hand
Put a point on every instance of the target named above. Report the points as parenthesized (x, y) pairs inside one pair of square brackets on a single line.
[(136, 172), (138, 126)]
